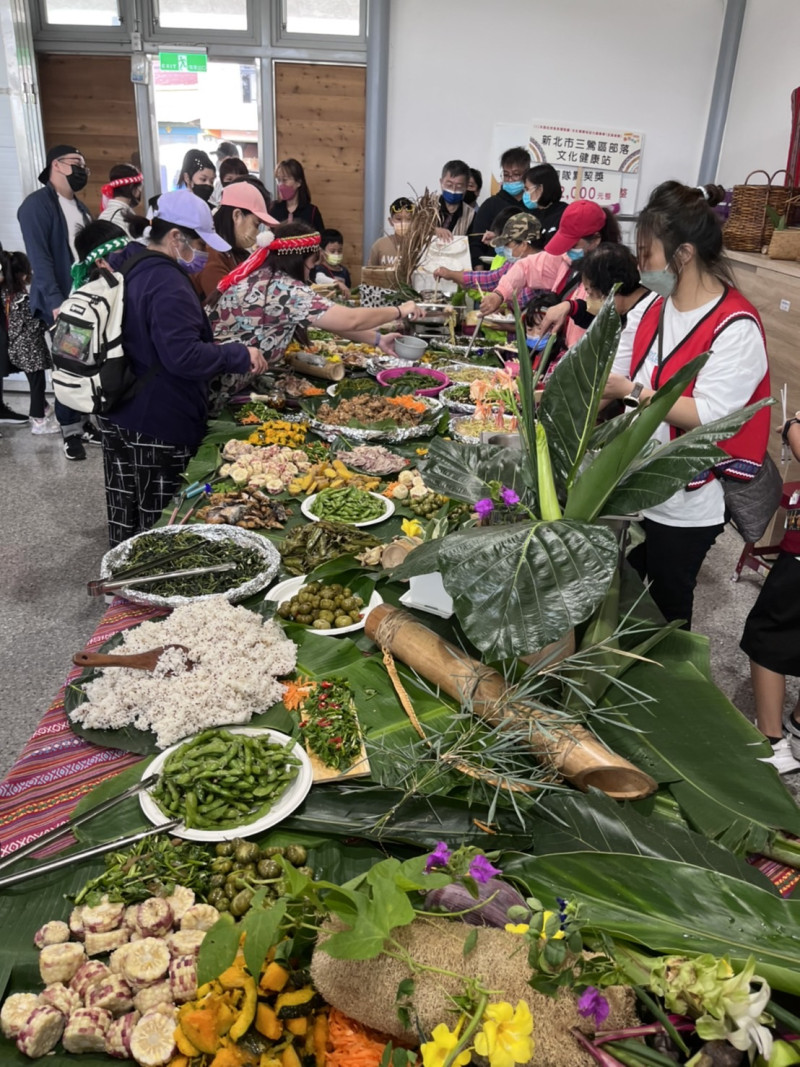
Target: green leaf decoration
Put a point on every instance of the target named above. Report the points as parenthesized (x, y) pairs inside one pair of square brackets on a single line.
[(518, 587), (219, 948), (675, 907), (262, 926), (569, 405), (463, 472), (470, 941)]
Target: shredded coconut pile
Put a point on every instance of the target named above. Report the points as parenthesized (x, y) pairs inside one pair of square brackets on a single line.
[(237, 657)]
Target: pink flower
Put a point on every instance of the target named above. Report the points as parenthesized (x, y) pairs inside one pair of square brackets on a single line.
[(484, 507), (509, 497), (592, 1003), (440, 857), (481, 870)]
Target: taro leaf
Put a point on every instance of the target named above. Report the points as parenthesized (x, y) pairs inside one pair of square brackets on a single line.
[(598, 480), (667, 469), (570, 402), (218, 949), (675, 907), (518, 587), (261, 926), (463, 471)]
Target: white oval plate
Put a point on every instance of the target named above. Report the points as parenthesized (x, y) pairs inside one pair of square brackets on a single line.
[(305, 507), (286, 590), (291, 798)]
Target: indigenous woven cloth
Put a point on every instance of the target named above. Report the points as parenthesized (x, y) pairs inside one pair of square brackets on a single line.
[(57, 768)]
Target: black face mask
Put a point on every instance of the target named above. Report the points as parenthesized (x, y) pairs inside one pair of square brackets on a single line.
[(470, 196), (203, 191), (78, 178)]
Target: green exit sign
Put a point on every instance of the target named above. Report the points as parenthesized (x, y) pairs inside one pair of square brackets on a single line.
[(194, 62)]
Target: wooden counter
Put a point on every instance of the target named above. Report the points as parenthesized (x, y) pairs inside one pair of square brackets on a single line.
[(766, 282)]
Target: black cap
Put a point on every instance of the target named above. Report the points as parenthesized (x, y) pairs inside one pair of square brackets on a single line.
[(56, 152), (227, 149)]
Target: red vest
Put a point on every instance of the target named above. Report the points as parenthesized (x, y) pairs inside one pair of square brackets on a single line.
[(750, 442)]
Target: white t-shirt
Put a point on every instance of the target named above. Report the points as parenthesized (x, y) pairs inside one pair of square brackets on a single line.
[(737, 364), (115, 211), (75, 220)]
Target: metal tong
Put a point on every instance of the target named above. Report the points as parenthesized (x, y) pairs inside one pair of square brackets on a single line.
[(99, 586)]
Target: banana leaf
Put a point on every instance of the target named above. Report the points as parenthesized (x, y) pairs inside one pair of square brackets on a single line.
[(673, 907), (518, 587), (569, 405)]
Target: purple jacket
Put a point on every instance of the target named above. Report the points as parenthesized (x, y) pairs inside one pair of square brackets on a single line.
[(168, 339)]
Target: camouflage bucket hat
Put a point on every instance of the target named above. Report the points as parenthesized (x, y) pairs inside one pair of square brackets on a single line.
[(521, 227)]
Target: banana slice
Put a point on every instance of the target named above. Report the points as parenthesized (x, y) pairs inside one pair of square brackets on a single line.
[(99, 944), (112, 993), (180, 901), (153, 1041), (153, 996), (199, 917), (59, 996), (183, 978), (86, 1030), (41, 1033), (103, 917), (118, 1036), (58, 963), (53, 933), (87, 974), (145, 961), (185, 942), (16, 1011), (154, 917)]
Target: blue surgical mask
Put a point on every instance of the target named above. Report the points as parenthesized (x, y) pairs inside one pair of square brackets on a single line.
[(452, 198), (502, 250), (513, 188), (575, 254), (530, 204), (662, 282)]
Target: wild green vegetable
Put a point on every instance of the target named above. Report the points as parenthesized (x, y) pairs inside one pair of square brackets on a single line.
[(220, 779), (154, 553), (152, 867), (348, 505), (307, 547)]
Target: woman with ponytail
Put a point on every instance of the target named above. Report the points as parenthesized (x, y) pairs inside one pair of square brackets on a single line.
[(679, 245)]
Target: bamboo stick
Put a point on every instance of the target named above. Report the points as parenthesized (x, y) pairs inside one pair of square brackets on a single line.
[(572, 751)]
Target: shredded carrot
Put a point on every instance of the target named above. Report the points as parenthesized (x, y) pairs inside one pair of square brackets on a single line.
[(295, 693), (390, 488), (250, 420), (352, 1045), (312, 390), (407, 401)]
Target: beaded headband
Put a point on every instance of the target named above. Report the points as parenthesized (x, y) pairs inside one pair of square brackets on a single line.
[(107, 191), (303, 243), (295, 244), (80, 271)]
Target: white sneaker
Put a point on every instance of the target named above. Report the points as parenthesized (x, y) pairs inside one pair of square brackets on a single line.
[(782, 758), (45, 425)]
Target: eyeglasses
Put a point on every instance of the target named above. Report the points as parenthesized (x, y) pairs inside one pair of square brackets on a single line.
[(74, 163), (513, 175)]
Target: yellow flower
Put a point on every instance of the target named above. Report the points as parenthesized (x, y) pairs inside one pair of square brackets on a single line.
[(436, 1051), (506, 1036), (411, 528), (517, 928), (421, 451), (557, 936)]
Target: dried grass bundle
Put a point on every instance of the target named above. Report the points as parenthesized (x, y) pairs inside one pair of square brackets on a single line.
[(421, 230)]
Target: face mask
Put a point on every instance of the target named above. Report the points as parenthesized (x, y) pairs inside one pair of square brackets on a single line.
[(452, 198), (513, 188), (529, 204), (593, 306), (196, 263), (77, 178), (470, 196), (334, 258), (662, 282), (286, 192), (575, 254), (503, 250), (203, 191)]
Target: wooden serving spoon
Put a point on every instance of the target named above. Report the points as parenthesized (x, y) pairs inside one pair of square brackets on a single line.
[(140, 661)]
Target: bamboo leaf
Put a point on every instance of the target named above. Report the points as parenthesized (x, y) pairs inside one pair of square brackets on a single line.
[(569, 406)]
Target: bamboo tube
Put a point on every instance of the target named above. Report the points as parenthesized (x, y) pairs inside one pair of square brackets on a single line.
[(331, 372), (573, 751)]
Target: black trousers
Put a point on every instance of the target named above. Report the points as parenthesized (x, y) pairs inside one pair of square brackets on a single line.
[(670, 558)]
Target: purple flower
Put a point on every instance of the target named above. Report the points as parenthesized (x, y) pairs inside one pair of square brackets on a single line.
[(509, 497), (440, 857), (481, 870), (592, 1003), (484, 507)]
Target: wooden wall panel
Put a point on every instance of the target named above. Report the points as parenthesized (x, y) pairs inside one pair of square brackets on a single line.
[(319, 119), (88, 101)]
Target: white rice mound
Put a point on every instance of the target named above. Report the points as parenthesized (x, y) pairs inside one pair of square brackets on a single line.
[(237, 656)]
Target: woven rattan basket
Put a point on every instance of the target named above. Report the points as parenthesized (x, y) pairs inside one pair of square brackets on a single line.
[(749, 228), (784, 244)]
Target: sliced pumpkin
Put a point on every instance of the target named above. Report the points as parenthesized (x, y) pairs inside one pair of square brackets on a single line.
[(268, 1023), (320, 1035), (289, 1057), (247, 1011), (184, 1044), (273, 978), (297, 1002), (297, 1026)]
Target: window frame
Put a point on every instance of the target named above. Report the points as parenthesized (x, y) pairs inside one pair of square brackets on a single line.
[(46, 32), (197, 35), (282, 38)]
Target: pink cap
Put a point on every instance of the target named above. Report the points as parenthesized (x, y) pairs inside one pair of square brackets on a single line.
[(246, 196), (581, 219)]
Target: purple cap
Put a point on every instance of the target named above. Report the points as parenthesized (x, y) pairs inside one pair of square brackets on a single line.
[(183, 208)]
